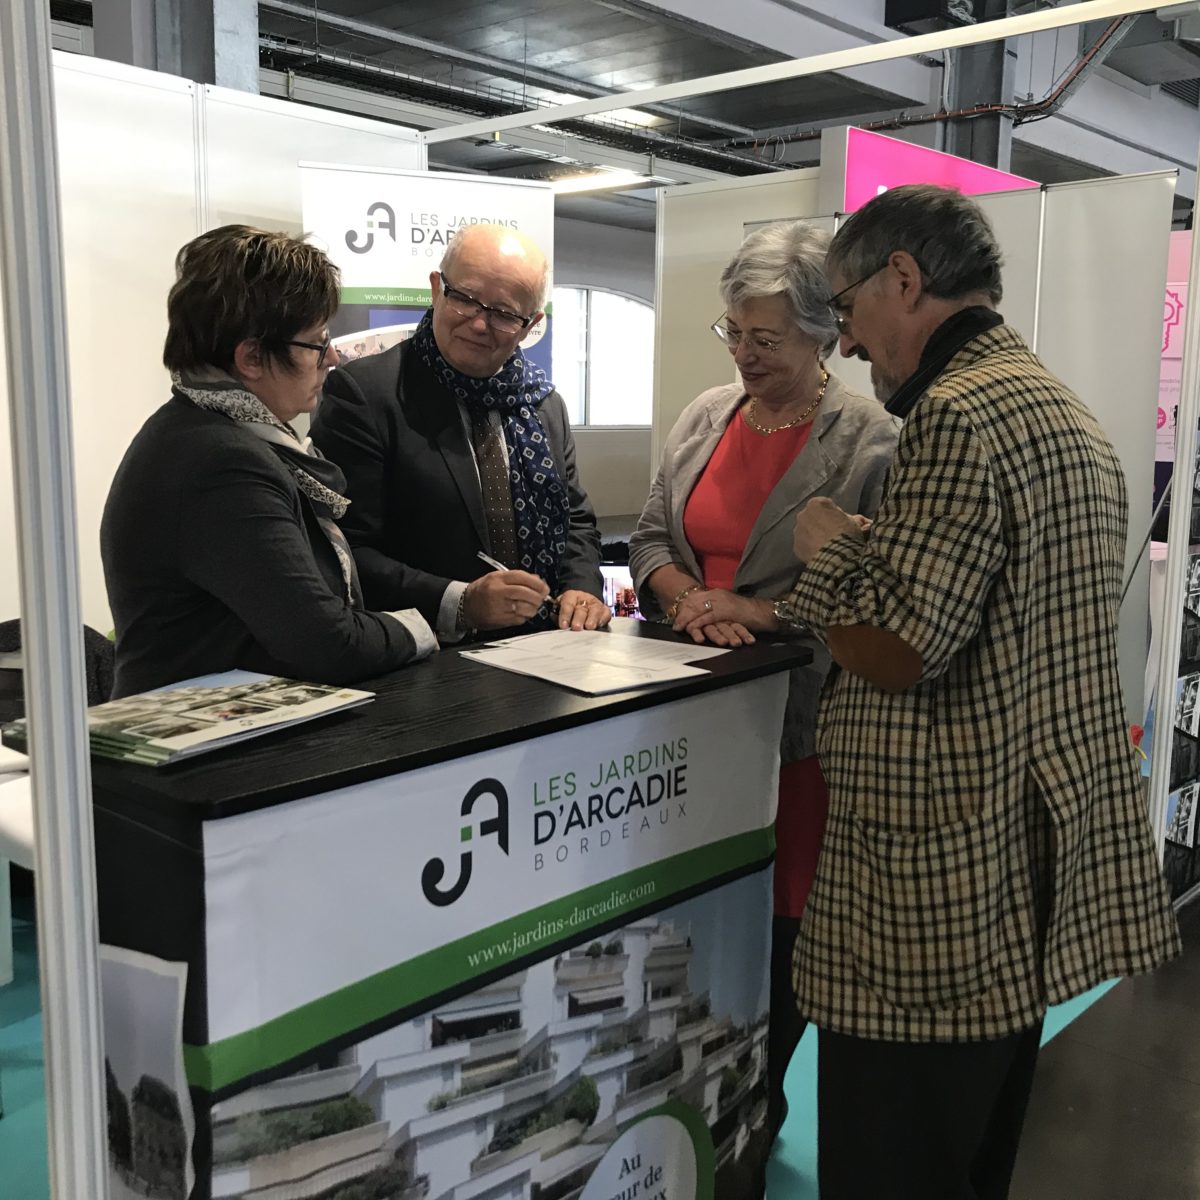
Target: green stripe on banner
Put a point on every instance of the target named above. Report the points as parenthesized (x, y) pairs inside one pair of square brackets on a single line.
[(408, 297), (222, 1064)]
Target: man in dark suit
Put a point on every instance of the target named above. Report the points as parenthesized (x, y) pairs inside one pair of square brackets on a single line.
[(453, 443)]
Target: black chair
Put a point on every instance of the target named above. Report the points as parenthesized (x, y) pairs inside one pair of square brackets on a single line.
[(615, 533), (98, 661), (98, 655)]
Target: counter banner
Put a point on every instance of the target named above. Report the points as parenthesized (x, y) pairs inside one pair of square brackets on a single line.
[(536, 972), (387, 230)]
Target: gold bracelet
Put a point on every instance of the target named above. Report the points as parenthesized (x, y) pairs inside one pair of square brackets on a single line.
[(673, 608)]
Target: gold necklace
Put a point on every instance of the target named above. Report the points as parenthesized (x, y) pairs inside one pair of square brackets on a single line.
[(766, 431)]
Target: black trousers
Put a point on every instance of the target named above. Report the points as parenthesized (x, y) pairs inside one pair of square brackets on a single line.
[(921, 1121), (786, 1025)]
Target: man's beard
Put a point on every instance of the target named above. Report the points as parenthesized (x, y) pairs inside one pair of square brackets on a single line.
[(884, 387)]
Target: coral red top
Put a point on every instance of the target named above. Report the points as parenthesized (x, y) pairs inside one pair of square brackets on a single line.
[(744, 470)]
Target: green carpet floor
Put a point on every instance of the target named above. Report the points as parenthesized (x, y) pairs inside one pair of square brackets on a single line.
[(23, 1170)]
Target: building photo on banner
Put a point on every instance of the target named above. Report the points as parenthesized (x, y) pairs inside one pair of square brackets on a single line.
[(387, 231)]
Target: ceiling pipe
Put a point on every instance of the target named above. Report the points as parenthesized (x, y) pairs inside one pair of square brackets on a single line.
[(1037, 110), (837, 60), (497, 66), (598, 134)]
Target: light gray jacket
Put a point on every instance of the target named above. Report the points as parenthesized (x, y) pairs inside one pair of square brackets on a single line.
[(845, 458)]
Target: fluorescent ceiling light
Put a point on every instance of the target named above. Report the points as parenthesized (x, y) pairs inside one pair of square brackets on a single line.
[(600, 180)]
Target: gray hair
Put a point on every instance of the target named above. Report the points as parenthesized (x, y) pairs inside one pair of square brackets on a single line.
[(788, 258), (948, 235)]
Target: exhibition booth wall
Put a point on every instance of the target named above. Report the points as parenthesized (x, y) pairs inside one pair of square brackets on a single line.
[(1085, 268), (146, 162)]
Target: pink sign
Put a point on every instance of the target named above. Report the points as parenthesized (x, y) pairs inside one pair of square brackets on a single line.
[(1179, 261), (875, 163)]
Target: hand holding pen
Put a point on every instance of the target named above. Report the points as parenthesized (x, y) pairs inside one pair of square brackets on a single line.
[(575, 609), (502, 598)]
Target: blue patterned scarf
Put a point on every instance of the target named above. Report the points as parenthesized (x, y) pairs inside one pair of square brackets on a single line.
[(540, 502)]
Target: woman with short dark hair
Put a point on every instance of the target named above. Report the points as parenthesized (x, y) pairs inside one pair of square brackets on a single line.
[(219, 539)]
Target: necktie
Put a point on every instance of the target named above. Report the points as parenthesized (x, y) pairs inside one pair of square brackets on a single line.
[(490, 456)]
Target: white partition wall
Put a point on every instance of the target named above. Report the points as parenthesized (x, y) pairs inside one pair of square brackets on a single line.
[(1016, 218), (1085, 268), (1103, 274), (127, 177), (147, 161), (699, 227), (253, 143)]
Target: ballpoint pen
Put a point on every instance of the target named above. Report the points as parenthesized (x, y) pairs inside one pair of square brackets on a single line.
[(551, 602), (491, 562)]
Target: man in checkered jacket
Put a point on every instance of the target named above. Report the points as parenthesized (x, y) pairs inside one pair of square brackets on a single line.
[(987, 852)]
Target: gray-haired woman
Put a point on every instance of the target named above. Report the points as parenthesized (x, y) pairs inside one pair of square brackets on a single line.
[(713, 548)]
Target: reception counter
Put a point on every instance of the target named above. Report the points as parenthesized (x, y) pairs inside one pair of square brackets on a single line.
[(483, 938)]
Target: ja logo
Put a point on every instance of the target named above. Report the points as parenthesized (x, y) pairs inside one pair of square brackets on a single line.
[(387, 225), (435, 868)]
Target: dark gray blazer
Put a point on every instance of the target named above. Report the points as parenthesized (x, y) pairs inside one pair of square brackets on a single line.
[(213, 559), (845, 458), (416, 516)]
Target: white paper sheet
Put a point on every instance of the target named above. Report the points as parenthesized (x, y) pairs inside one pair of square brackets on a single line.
[(592, 661)]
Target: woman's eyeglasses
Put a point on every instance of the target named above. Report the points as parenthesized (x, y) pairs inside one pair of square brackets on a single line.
[(322, 348), (732, 339)]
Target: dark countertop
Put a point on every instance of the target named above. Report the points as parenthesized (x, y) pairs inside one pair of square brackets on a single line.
[(443, 708)]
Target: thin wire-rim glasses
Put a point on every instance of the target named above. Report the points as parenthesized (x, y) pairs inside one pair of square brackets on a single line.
[(732, 339)]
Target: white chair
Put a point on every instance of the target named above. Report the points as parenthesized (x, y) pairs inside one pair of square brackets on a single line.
[(16, 843)]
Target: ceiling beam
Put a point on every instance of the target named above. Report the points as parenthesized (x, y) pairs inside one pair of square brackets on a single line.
[(838, 60), (540, 144), (505, 68)]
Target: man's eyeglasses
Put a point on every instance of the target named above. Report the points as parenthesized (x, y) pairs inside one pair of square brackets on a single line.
[(842, 318), (466, 305), (322, 348), (732, 338)]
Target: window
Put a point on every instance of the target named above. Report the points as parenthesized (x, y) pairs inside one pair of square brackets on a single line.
[(603, 356)]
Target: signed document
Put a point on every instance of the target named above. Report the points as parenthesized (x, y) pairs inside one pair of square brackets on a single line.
[(595, 662)]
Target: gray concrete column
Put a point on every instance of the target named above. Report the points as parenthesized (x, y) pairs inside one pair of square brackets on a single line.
[(210, 41), (982, 75), (123, 30)]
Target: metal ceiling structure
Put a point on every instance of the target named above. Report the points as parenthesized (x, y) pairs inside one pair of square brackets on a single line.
[(491, 58), (546, 88)]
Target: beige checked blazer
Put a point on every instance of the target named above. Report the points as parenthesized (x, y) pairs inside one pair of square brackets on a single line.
[(987, 851)]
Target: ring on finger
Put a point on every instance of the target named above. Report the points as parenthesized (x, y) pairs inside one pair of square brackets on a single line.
[(708, 606)]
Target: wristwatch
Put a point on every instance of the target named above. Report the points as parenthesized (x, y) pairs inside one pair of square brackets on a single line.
[(460, 616), (786, 616)]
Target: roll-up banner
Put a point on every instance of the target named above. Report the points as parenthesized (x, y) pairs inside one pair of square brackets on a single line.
[(387, 232)]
